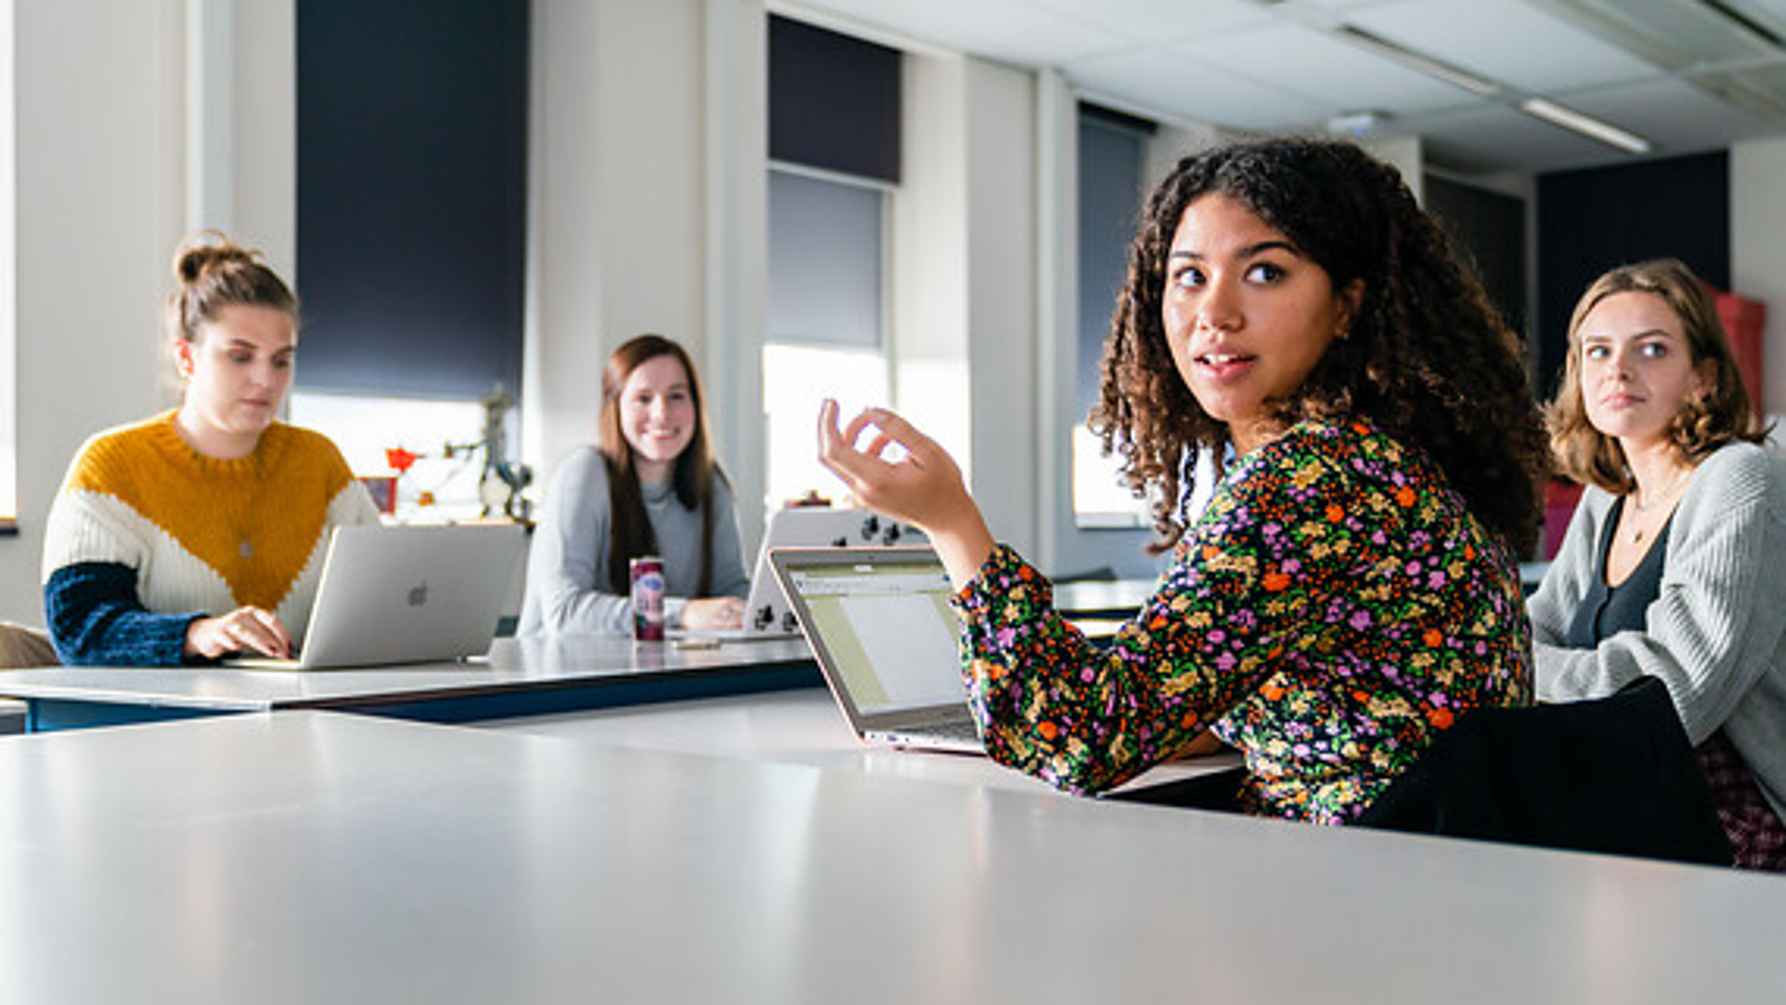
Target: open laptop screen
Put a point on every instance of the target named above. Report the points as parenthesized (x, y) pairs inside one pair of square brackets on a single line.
[(886, 626)]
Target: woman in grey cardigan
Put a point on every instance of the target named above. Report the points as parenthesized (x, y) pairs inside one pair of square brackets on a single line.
[(1673, 564), (650, 486)]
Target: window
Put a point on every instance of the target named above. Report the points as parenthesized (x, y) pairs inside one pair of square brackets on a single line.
[(1112, 152), (834, 161), (825, 316), (437, 487)]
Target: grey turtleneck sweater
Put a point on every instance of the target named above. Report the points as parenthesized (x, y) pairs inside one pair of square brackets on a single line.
[(1716, 633), (567, 565)]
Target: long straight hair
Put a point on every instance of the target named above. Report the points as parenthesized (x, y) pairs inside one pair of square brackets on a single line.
[(692, 475)]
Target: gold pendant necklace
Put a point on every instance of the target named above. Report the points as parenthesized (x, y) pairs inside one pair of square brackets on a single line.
[(1640, 509)]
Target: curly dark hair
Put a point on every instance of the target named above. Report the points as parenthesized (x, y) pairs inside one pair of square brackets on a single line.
[(1428, 358)]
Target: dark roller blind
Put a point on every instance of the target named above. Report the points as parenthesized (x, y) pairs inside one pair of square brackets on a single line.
[(1112, 155), (833, 101), (412, 167), (1491, 228), (1594, 219)]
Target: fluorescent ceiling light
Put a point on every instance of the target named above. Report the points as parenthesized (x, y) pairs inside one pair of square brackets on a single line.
[(1586, 125), (1418, 61)]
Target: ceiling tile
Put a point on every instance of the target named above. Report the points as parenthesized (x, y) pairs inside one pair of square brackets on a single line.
[(1152, 20), (1197, 90), (1327, 71), (1013, 31), (1506, 41), (1673, 114), (1497, 138), (1769, 14)]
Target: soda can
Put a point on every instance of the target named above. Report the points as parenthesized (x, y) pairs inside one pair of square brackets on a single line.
[(648, 598)]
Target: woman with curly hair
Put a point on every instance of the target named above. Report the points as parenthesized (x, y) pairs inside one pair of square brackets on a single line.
[(1351, 588), (1668, 568)]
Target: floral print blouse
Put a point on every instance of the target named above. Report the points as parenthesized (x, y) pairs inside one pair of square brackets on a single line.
[(1335, 607)]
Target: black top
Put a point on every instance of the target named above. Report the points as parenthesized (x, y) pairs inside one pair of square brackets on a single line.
[(1608, 610)]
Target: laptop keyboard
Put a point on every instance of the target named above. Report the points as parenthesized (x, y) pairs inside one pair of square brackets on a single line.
[(963, 730)]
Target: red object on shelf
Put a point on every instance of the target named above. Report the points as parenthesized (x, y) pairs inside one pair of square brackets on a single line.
[(1744, 320), (399, 459), (1560, 499)]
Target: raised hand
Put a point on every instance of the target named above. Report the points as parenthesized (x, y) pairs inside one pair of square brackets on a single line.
[(923, 487)]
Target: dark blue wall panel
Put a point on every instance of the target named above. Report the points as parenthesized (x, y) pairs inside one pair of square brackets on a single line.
[(1594, 219)]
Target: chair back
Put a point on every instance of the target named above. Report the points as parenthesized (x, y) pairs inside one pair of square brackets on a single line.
[(1615, 775)]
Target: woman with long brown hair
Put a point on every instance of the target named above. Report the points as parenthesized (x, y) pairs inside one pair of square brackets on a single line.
[(649, 486), (1351, 590), (1670, 567)]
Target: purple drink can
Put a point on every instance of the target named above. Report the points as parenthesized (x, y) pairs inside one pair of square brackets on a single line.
[(648, 598)]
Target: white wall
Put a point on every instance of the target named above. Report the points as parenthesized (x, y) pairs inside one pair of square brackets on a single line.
[(615, 209), (1066, 548), (9, 359), (929, 343), (964, 338), (1407, 155), (647, 213), (264, 194), (736, 99), (1001, 301), (100, 203), (1758, 250)]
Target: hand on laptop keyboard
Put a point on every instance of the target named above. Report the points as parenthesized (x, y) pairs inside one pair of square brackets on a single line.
[(244, 630)]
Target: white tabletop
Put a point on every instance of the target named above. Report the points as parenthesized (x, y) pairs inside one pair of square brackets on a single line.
[(513, 664), (1103, 597), (306, 856), (802, 726)]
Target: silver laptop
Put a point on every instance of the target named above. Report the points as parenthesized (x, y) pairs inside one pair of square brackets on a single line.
[(405, 595), (766, 611), (880, 626)]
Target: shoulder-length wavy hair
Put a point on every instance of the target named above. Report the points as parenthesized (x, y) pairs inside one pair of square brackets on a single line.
[(630, 534), (1427, 357), (1704, 422)]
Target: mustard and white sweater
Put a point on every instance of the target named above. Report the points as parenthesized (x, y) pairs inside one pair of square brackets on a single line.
[(147, 535)]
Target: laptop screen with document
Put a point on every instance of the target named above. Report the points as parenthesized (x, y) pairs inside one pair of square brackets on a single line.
[(882, 620)]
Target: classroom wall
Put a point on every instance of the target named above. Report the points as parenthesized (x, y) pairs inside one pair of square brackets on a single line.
[(1758, 250), (964, 303), (615, 206), (99, 208), (1001, 322), (929, 282), (632, 212)]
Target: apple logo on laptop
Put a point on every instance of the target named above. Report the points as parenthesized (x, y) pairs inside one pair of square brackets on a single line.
[(418, 595)]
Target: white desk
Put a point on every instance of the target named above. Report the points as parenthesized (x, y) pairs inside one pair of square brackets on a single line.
[(523, 676), (313, 857), (1116, 598), (797, 727)]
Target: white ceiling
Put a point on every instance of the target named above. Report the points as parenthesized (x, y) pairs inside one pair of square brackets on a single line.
[(1683, 74)]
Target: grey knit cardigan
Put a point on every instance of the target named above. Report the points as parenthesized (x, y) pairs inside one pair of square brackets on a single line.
[(1716, 633)]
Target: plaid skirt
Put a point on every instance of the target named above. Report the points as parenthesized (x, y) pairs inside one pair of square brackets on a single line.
[(1757, 837)]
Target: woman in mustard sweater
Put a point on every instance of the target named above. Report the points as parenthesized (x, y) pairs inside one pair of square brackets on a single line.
[(199, 532)]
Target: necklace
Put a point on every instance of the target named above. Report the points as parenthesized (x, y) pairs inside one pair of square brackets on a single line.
[(1640, 509)]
